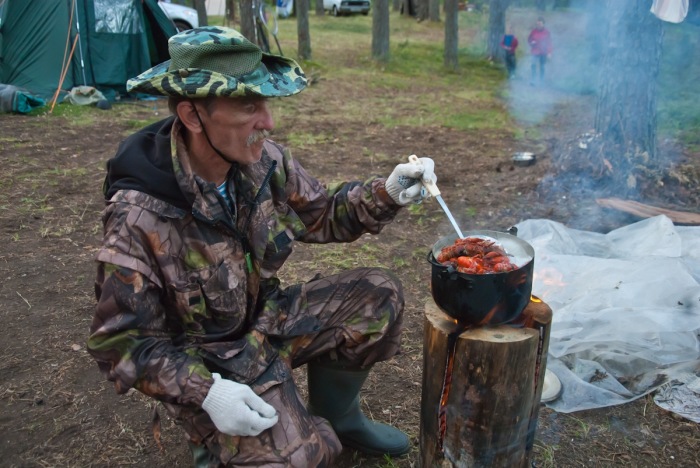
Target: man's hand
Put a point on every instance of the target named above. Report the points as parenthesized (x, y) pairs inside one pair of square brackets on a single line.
[(405, 185), (236, 410)]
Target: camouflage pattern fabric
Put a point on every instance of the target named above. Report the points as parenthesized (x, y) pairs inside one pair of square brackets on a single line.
[(358, 317), (175, 300), (218, 61)]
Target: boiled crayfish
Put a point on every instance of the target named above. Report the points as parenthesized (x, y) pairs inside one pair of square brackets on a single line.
[(476, 255)]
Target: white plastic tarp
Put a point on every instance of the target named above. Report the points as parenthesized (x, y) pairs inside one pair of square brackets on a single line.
[(626, 312)]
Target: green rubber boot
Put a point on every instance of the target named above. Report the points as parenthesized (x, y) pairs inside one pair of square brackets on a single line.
[(201, 456), (334, 395)]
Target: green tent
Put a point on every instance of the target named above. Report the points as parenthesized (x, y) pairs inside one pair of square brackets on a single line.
[(99, 43)]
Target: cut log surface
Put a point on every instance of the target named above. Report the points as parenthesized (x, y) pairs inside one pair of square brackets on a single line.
[(647, 211), (492, 392)]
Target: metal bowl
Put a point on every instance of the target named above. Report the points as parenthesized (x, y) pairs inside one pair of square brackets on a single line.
[(524, 159)]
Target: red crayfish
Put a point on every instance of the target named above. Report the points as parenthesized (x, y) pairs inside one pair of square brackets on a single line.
[(476, 255)]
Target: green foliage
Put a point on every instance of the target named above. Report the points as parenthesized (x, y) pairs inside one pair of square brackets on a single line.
[(679, 114)]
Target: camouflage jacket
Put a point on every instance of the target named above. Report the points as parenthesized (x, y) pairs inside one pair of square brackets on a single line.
[(176, 297)]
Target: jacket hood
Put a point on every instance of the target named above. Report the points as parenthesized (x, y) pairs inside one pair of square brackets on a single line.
[(144, 163)]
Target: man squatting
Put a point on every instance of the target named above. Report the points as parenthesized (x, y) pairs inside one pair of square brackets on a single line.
[(201, 212)]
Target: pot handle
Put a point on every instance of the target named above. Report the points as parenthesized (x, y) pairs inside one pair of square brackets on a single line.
[(431, 258), (448, 272)]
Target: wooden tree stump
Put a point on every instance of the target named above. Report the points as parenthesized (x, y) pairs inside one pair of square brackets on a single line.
[(493, 395), (538, 316)]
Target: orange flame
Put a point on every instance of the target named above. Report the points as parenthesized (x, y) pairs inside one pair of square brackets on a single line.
[(550, 278)]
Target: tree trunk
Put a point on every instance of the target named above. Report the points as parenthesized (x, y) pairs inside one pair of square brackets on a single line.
[(303, 35), (319, 8), (626, 108), (451, 34), (396, 5), (380, 30), (421, 10), (479, 391), (248, 20), (201, 8), (434, 10), (595, 34), (230, 13), (408, 7), (537, 316), (497, 27)]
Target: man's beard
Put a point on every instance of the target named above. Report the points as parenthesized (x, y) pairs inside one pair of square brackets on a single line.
[(257, 136)]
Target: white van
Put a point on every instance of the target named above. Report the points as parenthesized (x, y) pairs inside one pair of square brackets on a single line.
[(346, 7), (183, 17)]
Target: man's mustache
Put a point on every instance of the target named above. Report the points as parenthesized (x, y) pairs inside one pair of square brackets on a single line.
[(257, 136)]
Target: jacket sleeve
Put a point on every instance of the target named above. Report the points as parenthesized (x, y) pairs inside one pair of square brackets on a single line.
[(129, 342), (339, 212)]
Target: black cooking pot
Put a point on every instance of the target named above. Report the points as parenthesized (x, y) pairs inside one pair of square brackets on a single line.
[(486, 299)]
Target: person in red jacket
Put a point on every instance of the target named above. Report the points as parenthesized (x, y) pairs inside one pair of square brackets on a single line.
[(509, 44), (540, 47)]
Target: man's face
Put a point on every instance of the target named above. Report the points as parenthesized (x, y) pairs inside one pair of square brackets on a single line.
[(540, 25), (238, 127)]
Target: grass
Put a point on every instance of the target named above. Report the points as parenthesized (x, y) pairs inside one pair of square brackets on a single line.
[(416, 88), (547, 457), (416, 62), (443, 97), (679, 116), (472, 98), (135, 114), (301, 140), (584, 429)]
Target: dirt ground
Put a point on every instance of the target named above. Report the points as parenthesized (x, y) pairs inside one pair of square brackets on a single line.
[(57, 410)]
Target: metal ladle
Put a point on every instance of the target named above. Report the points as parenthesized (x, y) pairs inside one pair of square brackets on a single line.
[(432, 188)]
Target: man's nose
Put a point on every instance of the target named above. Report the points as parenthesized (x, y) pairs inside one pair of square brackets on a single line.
[(266, 120)]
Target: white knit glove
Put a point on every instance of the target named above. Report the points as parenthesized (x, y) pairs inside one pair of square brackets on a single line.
[(405, 186), (236, 410)]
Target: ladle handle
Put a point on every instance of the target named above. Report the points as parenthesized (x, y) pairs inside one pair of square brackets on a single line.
[(429, 184)]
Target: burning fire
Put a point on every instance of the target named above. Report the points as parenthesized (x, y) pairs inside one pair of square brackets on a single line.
[(549, 280)]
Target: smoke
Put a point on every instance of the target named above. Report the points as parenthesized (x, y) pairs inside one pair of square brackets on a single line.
[(571, 69), (561, 108)]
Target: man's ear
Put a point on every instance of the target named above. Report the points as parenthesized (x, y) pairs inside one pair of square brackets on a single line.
[(187, 114)]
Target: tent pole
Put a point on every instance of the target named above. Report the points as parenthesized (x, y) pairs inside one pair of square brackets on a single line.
[(63, 75), (80, 45)]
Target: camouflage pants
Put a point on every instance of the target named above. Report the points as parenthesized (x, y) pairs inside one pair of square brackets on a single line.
[(354, 316)]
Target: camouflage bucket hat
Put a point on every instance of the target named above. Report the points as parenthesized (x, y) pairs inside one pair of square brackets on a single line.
[(219, 61)]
